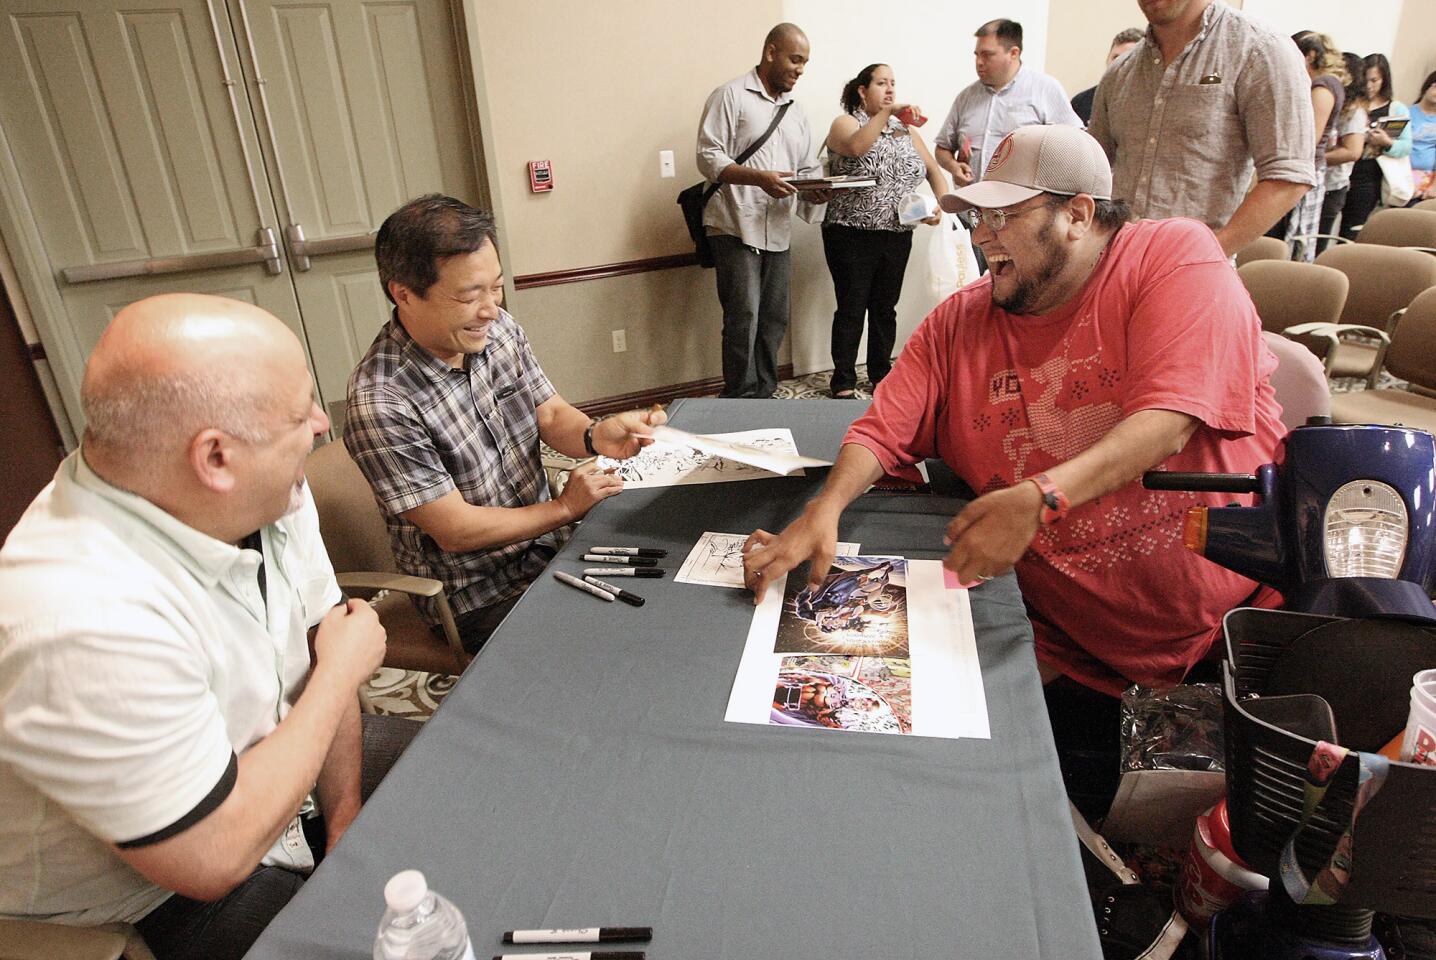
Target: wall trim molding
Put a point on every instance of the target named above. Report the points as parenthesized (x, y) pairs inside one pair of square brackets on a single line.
[(605, 270), (646, 398)]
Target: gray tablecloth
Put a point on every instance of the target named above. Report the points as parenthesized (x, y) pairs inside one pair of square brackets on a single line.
[(581, 772)]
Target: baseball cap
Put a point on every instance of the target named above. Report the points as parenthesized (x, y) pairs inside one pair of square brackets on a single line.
[(1047, 158)]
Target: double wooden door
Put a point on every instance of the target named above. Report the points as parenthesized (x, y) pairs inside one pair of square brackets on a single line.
[(247, 148)]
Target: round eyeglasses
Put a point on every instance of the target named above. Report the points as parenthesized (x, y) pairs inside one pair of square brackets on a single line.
[(995, 217)]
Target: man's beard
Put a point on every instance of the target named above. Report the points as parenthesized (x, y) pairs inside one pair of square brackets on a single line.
[(1029, 290)]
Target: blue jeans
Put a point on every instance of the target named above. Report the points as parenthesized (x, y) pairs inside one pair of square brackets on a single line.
[(753, 289)]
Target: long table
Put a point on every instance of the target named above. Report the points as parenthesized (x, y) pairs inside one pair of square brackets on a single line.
[(581, 772)]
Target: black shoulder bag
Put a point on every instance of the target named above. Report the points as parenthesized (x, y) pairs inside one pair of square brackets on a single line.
[(696, 197)]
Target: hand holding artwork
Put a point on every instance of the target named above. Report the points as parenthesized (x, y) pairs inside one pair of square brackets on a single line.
[(812, 537), (992, 532), (623, 435), (586, 486)]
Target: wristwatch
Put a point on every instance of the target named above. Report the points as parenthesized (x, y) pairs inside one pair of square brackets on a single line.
[(588, 438), (1054, 501)]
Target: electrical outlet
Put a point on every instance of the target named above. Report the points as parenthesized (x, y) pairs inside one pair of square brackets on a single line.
[(620, 341), (665, 163)]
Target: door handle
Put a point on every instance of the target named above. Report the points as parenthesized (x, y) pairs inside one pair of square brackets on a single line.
[(300, 249), (265, 251)]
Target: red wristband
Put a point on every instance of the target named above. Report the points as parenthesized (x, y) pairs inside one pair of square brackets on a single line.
[(1054, 501)]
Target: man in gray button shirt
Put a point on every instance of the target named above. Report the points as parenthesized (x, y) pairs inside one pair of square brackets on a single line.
[(1007, 95), (1207, 96), (749, 219)]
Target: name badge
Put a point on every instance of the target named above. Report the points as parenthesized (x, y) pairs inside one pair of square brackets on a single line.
[(1209, 79)]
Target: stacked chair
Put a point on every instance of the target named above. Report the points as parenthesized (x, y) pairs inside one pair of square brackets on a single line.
[(1262, 248), (1409, 354), (1382, 280)]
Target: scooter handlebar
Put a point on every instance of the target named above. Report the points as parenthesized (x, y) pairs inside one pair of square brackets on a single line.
[(1201, 482)]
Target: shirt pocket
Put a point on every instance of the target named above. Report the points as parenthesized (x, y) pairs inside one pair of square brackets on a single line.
[(1205, 114), (514, 403)]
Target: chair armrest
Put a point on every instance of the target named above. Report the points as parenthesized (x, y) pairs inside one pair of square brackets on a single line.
[(414, 586), (1335, 330), (1320, 236)]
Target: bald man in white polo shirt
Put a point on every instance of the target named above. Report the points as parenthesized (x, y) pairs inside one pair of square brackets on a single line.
[(162, 721)]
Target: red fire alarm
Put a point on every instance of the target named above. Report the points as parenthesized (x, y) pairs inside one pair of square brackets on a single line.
[(540, 176)]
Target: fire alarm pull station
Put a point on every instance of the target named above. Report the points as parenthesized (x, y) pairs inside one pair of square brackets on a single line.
[(540, 176)]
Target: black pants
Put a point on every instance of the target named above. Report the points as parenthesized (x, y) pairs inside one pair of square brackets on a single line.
[(867, 268), (185, 929), (1362, 198), (1331, 206), (476, 625)]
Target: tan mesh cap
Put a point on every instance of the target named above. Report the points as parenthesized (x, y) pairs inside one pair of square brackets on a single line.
[(1050, 158)]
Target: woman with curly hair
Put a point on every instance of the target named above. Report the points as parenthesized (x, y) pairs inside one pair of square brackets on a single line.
[(1350, 142), (1328, 94)]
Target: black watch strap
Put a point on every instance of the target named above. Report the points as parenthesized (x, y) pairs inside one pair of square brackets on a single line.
[(588, 438)]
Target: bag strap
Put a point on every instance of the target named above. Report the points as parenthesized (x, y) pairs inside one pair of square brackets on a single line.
[(753, 147)]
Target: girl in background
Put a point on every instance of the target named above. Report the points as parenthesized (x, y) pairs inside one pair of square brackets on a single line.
[(1365, 192), (1351, 141), (1423, 141), (1328, 95)]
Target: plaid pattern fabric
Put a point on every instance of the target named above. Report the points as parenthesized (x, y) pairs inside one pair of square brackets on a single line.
[(419, 428)]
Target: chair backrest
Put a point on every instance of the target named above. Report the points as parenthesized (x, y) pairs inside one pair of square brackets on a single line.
[(1383, 279), (1263, 248), (349, 519), (1400, 227), (1412, 354), (1426, 205), (1287, 292), (1299, 381)]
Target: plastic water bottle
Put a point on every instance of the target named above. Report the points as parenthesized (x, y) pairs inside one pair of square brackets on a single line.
[(419, 924)]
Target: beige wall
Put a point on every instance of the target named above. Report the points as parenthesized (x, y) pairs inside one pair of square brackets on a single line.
[(599, 88), (1085, 30), (1414, 53)]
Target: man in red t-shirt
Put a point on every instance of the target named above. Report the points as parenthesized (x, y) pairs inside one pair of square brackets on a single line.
[(1095, 350)]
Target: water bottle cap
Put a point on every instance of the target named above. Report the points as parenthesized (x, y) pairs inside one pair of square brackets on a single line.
[(405, 891)]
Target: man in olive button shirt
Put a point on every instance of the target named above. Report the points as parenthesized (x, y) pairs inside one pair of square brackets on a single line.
[(1205, 98)]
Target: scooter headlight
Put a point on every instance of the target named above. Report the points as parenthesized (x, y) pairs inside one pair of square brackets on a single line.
[(1365, 531)]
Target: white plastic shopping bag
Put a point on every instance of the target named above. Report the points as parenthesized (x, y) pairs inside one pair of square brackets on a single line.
[(951, 263)]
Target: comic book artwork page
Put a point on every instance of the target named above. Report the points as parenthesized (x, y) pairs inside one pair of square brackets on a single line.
[(716, 560), (882, 645), (667, 464)]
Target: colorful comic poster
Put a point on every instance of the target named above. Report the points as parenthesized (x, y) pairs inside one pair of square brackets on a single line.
[(881, 645)]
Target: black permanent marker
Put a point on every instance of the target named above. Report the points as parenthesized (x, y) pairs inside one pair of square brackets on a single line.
[(627, 561), (579, 935), (649, 572), (578, 955), (632, 599), (630, 551)]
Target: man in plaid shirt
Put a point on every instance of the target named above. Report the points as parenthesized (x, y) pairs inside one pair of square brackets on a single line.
[(446, 412)]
